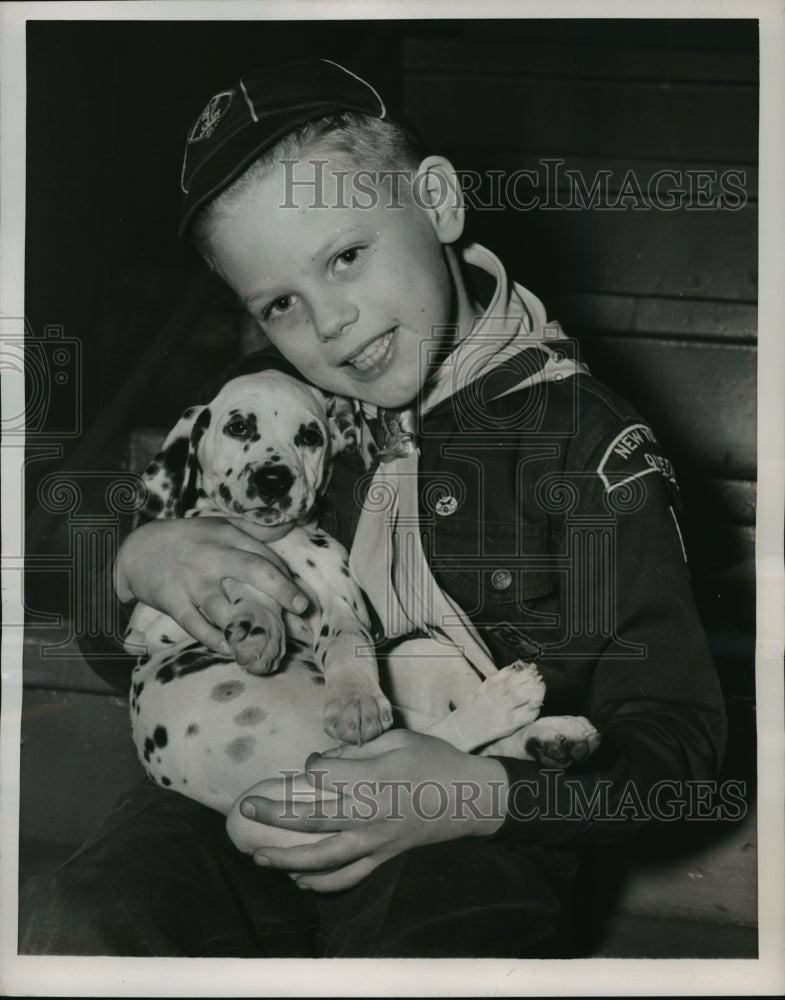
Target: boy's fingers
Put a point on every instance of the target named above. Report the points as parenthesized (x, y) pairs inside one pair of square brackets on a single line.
[(393, 739), (259, 550), (262, 574), (216, 609), (291, 814), (331, 852), (197, 626), (341, 878)]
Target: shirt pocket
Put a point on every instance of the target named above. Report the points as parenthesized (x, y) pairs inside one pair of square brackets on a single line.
[(507, 573)]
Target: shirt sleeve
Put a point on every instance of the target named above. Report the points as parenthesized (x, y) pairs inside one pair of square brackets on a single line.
[(651, 688)]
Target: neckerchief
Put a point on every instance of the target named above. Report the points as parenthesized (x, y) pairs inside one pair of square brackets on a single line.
[(387, 557)]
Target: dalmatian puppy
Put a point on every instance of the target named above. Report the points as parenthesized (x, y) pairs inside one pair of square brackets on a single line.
[(212, 726), (261, 452)]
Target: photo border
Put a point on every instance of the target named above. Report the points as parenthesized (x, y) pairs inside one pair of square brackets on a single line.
[(29, 975)]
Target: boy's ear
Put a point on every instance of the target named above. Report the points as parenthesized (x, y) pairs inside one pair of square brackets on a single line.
[(172, 476), (437, 189)]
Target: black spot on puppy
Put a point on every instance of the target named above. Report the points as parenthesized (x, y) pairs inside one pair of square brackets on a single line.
[(192, 663), (201, 425), (165, 781), (154, 504), (258, 630), (324, 630), (225, 493), (174, 458), (165, 674), (227, 690), (250, 716), (160, 736), (192, 730), (319, 540), (237, 630), (309, 436), (240, 750)]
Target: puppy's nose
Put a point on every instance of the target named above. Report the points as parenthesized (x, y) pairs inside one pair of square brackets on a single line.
[(273, 480)]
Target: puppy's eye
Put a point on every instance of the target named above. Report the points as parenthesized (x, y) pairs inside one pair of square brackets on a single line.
[(237, 429), (312, 437), (309, 436)]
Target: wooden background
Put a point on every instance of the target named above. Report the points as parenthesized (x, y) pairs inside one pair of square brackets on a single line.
[(663, 304)]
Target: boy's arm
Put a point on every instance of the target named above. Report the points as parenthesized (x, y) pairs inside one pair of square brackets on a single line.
[(653, 691)]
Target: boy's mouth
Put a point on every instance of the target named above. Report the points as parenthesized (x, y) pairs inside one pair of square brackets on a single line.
[(373, 359)]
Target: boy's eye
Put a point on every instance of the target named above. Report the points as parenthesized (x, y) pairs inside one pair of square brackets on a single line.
[(349, 256), (277, 306), (237, 429)]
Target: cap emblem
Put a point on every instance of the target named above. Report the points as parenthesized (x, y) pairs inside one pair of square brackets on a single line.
[(208, 120)]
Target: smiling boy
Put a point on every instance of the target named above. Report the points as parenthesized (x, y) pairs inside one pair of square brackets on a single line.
[(550, 537)]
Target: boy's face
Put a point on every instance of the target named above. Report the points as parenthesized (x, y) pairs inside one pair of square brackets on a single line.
[(346, 293)]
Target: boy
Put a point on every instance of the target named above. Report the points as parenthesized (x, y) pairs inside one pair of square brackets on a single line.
[(548, 519)]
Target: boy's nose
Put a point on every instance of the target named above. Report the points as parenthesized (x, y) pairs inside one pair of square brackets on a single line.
[(332, 316)]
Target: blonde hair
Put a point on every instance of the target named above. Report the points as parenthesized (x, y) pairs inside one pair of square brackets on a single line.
[(371, 142)]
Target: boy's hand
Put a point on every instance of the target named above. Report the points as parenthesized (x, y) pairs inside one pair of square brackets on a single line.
[(409, 790), (177, 566)]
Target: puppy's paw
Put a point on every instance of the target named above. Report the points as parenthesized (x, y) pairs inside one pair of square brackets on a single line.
[(257, 639), (356, 716), (508, 700), (560, 740)]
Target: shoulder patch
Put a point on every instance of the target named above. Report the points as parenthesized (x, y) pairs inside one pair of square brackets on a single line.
[(633, 453)]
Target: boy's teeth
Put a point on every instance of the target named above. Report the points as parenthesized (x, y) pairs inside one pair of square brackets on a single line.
[(372, 353)]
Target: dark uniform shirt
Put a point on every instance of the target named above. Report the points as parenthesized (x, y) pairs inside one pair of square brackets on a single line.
[(551, 517)]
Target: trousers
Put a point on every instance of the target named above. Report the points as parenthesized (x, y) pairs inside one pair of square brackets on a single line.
[(160, 877)]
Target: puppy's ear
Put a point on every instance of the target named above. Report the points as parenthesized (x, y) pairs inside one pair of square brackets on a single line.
[(172, 478), (344, 418)]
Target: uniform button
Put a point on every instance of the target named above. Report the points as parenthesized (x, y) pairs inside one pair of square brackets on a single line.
[(501, 579)]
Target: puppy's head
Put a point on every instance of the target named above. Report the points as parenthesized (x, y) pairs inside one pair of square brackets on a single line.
[(261, 450)]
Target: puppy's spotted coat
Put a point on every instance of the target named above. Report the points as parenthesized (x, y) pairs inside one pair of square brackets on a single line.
[(211, 726)]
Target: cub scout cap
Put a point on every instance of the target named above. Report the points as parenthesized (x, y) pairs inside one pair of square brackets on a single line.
[(238, 124)]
